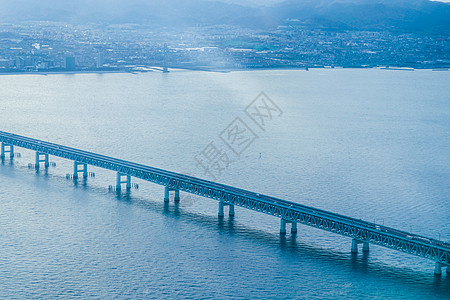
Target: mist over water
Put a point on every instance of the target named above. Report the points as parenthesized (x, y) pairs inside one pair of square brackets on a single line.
[(371, 144)]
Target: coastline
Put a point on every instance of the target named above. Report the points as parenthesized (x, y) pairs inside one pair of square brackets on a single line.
[(44, 73), (216, 70)]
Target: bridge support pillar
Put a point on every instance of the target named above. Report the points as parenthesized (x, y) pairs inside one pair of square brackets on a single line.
[(365, 247), (294, 227), (166, 194), (5, 148), (167, 191), (438, 268), (283, 223), (354, 246), (355, 243), (77, 170), (283, 226), (230, 209), (221, 214), (127, 180), (39, 159)]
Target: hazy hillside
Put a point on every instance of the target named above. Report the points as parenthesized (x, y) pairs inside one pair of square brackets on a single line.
[(169, 12), (408, 15)]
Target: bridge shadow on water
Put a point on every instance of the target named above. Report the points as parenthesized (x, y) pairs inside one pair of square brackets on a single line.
[(359, 264)]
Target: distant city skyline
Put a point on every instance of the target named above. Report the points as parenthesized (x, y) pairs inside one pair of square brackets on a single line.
[(52, 47)]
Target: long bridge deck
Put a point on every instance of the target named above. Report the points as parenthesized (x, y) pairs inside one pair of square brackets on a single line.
[(360, 231)]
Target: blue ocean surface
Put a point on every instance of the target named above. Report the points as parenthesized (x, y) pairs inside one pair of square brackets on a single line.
[(368, 143)]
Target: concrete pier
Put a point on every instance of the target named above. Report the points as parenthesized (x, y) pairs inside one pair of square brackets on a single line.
[(293, 227), (365, 247), (221, 206), (120, 180), (438, 268), (39, 159), (167, 191), (6, 148), (166, 194), (283, 223), (76, 169), (230, 209), (283, 226), (355, 246)]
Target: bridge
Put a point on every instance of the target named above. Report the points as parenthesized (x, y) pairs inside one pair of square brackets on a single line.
[(360, 232)]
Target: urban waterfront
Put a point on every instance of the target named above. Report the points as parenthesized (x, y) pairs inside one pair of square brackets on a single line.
[(372, 144)]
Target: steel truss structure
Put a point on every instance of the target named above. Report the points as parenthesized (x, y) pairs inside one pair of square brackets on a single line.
[(290, 212)]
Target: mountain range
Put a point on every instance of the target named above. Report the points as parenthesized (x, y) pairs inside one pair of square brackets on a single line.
[(398, 15)]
